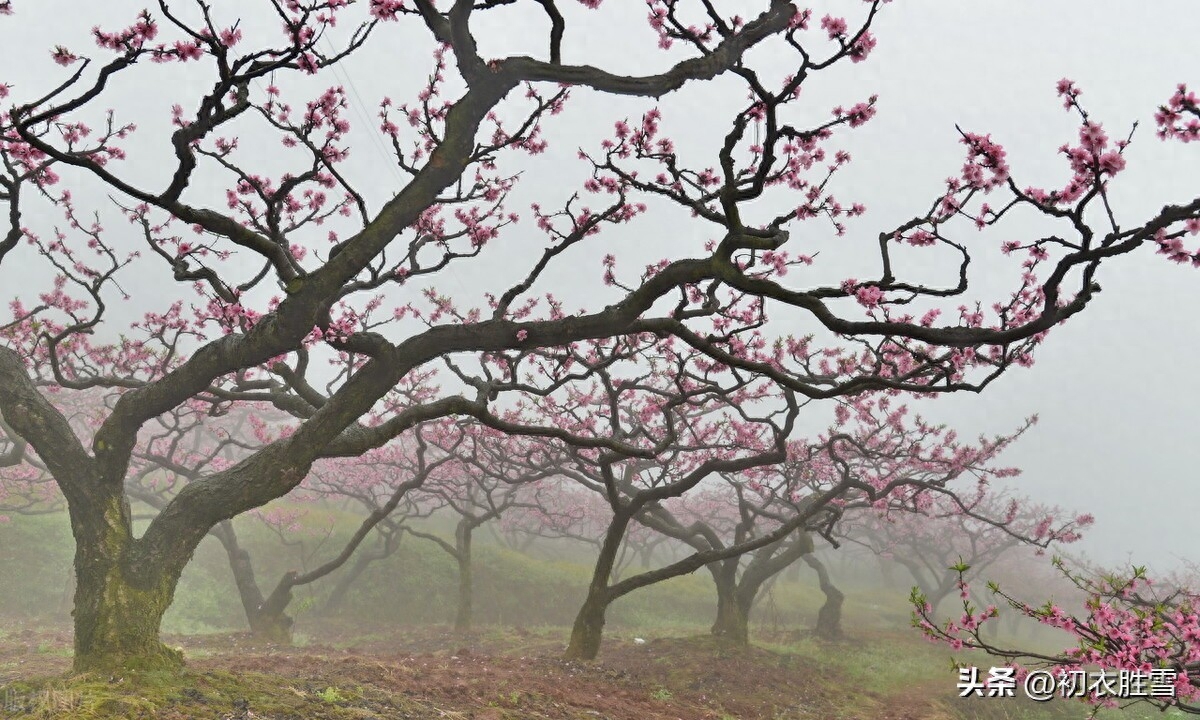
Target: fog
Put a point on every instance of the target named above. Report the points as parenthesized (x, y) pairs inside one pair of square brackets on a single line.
[(1110, 390), (351, 561)]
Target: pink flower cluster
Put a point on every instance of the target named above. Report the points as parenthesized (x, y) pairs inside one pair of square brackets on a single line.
[(1172, 118)]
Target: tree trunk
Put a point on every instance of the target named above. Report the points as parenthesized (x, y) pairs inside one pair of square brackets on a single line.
[(267, 620), (829, 617), (736, 595), (463, 616), (270, 622), (732, 625), (68, 594), (119, 599), (733, 617), (588, 629)]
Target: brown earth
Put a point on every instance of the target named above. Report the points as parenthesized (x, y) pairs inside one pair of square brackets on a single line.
[(432, 674)]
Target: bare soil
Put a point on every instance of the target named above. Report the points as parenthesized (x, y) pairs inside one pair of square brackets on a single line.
[(430, 673)]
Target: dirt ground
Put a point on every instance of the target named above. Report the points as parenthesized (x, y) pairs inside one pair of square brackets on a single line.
[(430, 673)]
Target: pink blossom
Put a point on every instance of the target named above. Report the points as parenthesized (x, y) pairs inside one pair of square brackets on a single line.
[(63, 56), (869, 296), (834, 26)]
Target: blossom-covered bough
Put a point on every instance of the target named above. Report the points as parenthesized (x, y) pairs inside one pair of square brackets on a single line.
[(262, 296), (1128, 626)]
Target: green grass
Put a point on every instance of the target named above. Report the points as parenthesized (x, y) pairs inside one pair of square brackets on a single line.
[(538, 594)]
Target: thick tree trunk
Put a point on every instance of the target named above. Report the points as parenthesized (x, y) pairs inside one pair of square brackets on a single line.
[(829, 617), (119, 600), (588, 629), (733, 616), (117, 622), (732, 625)]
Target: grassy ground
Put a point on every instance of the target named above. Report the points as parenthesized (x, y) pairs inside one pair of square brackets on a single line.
[(515, 674), (384, 654)]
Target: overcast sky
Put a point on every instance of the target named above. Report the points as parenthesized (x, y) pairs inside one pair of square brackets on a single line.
[(1115, 388)]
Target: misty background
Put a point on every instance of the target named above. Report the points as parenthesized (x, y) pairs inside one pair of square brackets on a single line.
[(1114, 387)]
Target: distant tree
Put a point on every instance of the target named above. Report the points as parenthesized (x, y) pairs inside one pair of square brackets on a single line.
[(730, 514), (488, 482), (976, 530), (387, 476), (877, 463), (557, 509), (246, 296)]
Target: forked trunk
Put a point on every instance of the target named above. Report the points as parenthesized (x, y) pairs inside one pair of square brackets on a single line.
[(829, 617), (733, 616), (267, 618), (270, 622), (272, 627)]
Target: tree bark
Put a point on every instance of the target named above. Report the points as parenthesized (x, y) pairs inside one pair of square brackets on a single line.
[(68, 595), (732, 625), (588, 629), (270, 620), (736, 594), (829, 617), (119, 601)]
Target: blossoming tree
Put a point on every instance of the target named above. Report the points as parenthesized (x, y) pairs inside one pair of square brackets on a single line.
[(244, 295), (486, 484), (976, 530), (877, 464), (1128, 624)]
